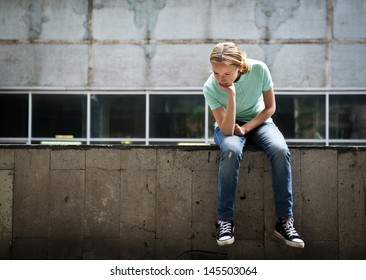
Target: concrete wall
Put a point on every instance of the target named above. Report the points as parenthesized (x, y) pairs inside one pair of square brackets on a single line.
[(163, 43), (160, 203)]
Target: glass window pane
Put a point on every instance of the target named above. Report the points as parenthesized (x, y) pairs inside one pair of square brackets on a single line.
[(13, 115), (59, 115), (177, 116), (347, 117), (301, 116), (120, 116)]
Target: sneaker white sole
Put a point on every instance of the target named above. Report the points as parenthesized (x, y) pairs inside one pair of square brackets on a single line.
[(293, 244), (226, 242)]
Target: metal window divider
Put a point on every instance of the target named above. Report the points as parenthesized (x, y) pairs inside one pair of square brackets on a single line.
[(88, 117), (30, 108)]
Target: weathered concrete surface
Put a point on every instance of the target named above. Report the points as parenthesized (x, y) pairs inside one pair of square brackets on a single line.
[(6, 201), (6, 207), (351, 209), (43, 64), (122, 202), (119, 43), (31, 193)]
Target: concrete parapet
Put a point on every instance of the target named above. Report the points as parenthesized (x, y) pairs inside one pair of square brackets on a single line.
[(159, 202)]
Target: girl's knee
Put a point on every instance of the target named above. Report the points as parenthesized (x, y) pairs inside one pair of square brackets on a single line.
[(231, 147), (279, 152), (231, 152)]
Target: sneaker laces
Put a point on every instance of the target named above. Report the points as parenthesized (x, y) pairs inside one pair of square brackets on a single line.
[(289, 227), (225, 227)]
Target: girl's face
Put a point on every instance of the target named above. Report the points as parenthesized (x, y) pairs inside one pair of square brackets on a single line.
[(225, 74)]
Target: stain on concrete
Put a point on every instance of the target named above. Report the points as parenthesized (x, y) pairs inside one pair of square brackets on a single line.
[(146, 16), (270, 53), (269, 15), (34, 17), (146, 12), (80, 7), (147, 189)]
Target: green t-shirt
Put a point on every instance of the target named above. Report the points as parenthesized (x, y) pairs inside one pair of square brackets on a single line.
[(249, 92)]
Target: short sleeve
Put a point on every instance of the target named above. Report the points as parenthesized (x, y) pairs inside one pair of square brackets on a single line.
[(212, 102), (267, 79), (209, 95)]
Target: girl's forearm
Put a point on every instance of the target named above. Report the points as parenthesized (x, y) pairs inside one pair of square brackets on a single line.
[(228, 123)]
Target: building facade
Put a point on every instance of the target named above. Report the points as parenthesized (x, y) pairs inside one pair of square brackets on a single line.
[(131, 71)]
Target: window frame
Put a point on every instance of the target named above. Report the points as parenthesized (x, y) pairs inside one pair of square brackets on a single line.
[(148, 92)]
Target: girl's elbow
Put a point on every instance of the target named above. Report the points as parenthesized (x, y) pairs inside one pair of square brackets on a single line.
[(273, 111), (227, 132)]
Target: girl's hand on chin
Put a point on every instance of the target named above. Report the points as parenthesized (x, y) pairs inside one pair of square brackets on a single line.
[(230, 89)]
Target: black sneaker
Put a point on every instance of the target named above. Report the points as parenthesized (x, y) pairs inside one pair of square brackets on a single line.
[(286, 232), (225, 234)]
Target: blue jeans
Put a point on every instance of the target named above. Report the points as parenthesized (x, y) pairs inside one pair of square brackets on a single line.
[(268, 137)]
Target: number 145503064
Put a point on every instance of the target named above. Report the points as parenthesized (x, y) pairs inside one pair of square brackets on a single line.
[(227, 270)]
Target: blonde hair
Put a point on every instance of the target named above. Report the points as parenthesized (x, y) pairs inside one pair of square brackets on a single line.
[(229, 53)]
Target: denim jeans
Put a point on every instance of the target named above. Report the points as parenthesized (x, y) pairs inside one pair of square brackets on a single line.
[(268, 137)]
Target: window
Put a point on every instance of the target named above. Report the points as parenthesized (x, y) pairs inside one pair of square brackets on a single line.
[(13, 115), (177, 116), (118, 116), (347, 117), (301, 116), (59, 116), (170, 116)]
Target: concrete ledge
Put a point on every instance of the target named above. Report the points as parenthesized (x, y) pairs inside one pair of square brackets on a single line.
[(159, 202)]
